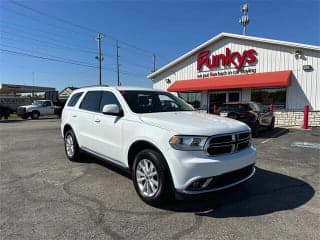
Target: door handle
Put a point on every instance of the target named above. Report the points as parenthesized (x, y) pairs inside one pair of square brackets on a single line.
[(97, 120), (74, 116)]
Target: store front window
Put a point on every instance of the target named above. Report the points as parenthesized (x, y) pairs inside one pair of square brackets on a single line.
[(193, 98), (267, 96)]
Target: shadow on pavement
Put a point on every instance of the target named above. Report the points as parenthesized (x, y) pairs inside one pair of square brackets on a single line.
[(265, 193), (12, 120), (275, 133)]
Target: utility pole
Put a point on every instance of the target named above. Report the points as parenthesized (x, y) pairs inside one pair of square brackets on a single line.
[(118, 66), (99, 57), (32, 85), (154, 62)]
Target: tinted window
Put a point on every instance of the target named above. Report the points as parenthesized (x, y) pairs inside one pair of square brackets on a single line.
[(91, 101), (74, 99), (266, 96), (234, 97), (152, 101), (108, 98), (46, 103)]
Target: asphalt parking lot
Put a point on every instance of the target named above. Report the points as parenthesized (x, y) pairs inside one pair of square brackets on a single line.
[(44, 196)]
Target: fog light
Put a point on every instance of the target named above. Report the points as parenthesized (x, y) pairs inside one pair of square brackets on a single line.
[(200, 184), (206, 183)]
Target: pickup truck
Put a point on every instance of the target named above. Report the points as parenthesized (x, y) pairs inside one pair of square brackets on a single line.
[(167, 146), (36, 109)]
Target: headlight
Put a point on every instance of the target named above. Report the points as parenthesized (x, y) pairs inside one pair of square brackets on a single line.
[(188, 143)]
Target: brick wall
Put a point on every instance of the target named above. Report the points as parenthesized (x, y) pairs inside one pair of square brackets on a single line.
[(295, 118)]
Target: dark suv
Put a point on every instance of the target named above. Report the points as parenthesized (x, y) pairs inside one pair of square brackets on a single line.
[(254, 114)]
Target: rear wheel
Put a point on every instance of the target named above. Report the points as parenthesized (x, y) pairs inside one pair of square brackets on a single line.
[(71, 146), (151, 178), (255, 129), (271, 126)]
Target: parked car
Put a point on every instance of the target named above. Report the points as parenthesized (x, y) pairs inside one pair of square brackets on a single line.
[(37, 108), (168, 147), (254, 114), (9, 104)]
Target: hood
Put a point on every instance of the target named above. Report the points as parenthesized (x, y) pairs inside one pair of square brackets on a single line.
[(29, 106), (193, 123)]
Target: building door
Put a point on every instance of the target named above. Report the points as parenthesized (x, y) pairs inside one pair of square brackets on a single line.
[(217, 99), (233, 96)]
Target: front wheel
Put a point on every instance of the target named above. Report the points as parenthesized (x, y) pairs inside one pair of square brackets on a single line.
[(35, 115), (151, 178), (255, 129), (71, 146)]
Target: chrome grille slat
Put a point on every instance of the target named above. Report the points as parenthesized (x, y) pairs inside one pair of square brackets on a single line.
[(239, 141)]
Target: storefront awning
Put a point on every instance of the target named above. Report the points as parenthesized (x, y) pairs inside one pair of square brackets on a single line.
[(268, 79)]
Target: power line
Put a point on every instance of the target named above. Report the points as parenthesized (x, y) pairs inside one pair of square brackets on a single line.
[(67, 61), (41, 34), (52, 16), (46, 58), (50, 43), (39, 22), (53, 56), (142, 50)]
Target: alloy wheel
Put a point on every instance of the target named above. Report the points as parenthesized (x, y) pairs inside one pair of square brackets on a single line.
[(147, 178)]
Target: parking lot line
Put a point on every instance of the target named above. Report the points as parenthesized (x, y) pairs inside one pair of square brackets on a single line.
[(276, 134)]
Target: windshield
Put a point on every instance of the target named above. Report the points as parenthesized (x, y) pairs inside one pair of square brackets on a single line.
[(152, 101)]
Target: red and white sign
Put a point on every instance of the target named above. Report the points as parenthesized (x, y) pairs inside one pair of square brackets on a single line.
[(235, 58)]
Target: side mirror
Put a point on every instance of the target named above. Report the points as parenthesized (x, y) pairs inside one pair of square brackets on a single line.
[(112, 109)]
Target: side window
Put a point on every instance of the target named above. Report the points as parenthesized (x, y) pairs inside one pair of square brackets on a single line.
[(91, 101), (108, 98), (74, 99), (47, 103)]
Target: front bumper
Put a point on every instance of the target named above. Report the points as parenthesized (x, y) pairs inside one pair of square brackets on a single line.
[(187, 167)]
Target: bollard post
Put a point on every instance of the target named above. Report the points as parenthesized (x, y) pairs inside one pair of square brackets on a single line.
[(305, 116), (214, 109), (271, 107)]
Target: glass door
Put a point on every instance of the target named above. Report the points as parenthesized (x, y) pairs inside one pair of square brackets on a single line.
[(216, 99), (234, 96)]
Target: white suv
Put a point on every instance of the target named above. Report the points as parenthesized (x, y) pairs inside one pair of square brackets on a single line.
[(168, 147)]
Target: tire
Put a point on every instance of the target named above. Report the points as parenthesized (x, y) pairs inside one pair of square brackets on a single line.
[(271, 127), (155, 162), (71, 146), (255, 130), (35, 115)]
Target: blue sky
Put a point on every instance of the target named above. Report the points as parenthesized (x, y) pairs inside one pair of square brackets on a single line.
[(166, 28)]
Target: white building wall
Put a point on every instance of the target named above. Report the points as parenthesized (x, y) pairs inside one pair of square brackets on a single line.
[(304, 88)]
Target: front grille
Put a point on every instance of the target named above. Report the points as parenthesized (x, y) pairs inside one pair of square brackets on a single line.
[(228, 143)]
